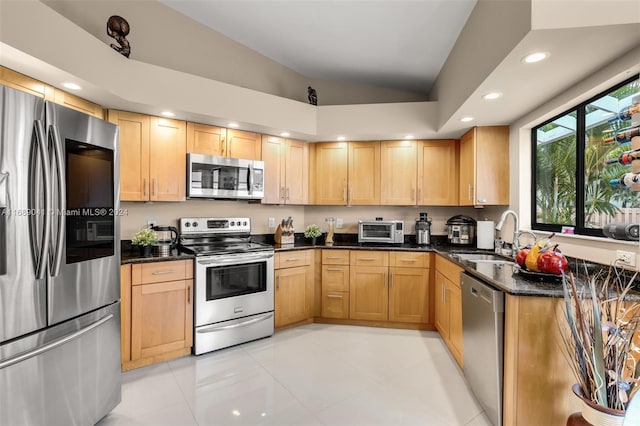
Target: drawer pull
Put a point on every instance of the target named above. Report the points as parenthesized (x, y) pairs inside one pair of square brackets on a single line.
[(335, 269), (334, 257), (334, 296), (368, 259), (407, 260), (295, 259), (170, 271)]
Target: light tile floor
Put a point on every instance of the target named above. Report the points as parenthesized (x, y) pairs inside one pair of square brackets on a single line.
[(311, 375)]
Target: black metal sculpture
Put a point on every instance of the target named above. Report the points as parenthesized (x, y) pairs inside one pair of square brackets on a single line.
[(118, 28), (313, 96)]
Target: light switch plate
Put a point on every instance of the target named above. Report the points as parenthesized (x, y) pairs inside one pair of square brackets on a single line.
[(271, 223), (339, 222)]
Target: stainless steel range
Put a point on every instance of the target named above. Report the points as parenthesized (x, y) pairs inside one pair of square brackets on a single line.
[(233, 282)]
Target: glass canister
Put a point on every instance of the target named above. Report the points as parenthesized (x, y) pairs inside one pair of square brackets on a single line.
[(331, 226)]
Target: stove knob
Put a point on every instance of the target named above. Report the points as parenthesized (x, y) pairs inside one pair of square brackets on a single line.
[(233, 224), (195, 224), (187, 224), (244, 223)]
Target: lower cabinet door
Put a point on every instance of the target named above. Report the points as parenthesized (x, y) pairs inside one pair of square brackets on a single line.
[(294, 295), (441, 306), (409, 295), (161, 318), (368, 293), (455, 321), (335, 304)]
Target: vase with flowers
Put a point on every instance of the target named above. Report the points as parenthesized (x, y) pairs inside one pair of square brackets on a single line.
[(145, 239), (601, 336)]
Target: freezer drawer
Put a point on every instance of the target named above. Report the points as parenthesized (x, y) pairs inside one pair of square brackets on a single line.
[(65, 375)]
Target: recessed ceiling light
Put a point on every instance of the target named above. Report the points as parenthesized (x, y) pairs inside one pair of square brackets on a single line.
[(72, 86), (342, 138), (466, 119), (409, 137), (491, 95), (167, 114), (285, 134), (535, 57), (233, 124)]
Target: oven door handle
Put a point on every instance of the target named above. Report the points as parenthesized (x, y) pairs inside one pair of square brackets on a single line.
[(235, 259), (215, 328)]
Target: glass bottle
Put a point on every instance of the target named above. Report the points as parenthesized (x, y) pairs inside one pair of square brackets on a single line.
[(331, 224)]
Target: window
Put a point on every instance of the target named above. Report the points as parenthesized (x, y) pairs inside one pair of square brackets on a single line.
[(571, 176)]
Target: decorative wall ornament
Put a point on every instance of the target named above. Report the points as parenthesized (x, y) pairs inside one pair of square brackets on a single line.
[(118, 28), (313, 96)]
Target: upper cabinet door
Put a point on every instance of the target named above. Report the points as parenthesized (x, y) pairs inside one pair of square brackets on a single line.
[(331, 173), (205, 139), (273, 157), (168, 159), (77, 103), (398, 173), (296, 188), (24, 83), (134, 154), (242, 144), (468, 168), (438, 172), (364, 173)]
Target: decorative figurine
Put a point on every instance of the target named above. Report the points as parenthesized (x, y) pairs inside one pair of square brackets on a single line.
[(118, 28), (313, 96)]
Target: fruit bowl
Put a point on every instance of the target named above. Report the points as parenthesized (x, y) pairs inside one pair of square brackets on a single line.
[(539, 276)]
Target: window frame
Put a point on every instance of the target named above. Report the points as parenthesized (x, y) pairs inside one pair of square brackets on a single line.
[(579, 227)]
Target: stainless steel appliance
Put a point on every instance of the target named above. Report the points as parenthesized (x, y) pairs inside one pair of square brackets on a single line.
[(483, 337), (423, 230), (381, 231), (59, 264), (461, 230), (167, 239), (227, 178), (234, 288)]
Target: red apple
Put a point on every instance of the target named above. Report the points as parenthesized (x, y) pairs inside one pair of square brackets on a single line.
[(522, 256), (552, 262)]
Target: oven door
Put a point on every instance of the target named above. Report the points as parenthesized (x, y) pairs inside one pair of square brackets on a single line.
[(233, 286)]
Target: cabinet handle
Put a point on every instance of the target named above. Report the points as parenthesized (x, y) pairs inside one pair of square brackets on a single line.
[(144, 187), (390, 280), (350, 195), (444, 294), (282, 193), (288, 193), (344, 194), (222, 146), (469, 192), (188, 295), (334, 257), (169, 271), (335, 269), (408, 260), (368, 259), (419, 195), (278, 284), (153, 187), (294, 259), (334, 296), (413, 194)]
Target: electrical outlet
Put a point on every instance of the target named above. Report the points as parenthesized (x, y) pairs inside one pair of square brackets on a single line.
[(626, 257), (151, 223), (271, 223), (339, 223)]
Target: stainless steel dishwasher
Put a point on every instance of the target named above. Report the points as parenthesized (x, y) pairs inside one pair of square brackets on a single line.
[(483, 337)]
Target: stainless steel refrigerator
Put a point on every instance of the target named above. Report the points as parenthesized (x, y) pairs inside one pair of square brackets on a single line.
[(59, 264)]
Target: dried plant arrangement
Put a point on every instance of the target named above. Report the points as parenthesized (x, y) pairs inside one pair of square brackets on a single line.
[(601, 336)]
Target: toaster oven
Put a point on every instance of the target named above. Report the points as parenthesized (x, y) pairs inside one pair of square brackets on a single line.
[(381, 231)]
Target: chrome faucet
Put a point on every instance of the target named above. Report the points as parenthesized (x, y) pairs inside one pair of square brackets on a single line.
[(516, 227)]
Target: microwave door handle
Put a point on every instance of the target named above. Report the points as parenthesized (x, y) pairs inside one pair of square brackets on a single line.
[(41, 152), (62, 200), (250, 183)]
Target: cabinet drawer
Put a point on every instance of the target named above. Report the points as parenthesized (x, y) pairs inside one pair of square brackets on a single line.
[(335, 278), (369, 258), (408, 259), (290, 259), (335, 257), (155, 272), (335, 304), (449, 269)]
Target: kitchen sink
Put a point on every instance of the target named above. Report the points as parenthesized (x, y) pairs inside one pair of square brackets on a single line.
[(483, 258)]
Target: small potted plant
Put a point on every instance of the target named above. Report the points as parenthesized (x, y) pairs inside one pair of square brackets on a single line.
[(312, 231), (145, 239)]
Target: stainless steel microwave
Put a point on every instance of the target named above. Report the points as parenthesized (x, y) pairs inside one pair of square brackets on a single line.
[(210, 176), (381, 231)]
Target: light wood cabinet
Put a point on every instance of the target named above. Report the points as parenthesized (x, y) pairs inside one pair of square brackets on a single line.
[(368, 293), (152, 157), (335, 284), (448, 306), (438, 172), (157, 308), (294, 287), (484, 166), (15, 80), (241, 144), (74, 102), (331, 173), (409, 295), (286, 170), (205, 139), (398, 173), (364, 173)]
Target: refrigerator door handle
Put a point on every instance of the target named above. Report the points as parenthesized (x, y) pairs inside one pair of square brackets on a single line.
[(41, 260), (54, 344), (60, 213), (5, 210)]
